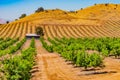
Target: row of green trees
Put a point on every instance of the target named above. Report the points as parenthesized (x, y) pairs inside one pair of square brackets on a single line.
[(104, 46), (45, 45), (83, 59), (75, 50), (5, 44), (76, 53), (18, 67), (5, 40), (12, 48)]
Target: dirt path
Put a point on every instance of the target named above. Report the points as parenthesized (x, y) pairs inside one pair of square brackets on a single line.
[(26, 44), (50, 66), (111, 65)]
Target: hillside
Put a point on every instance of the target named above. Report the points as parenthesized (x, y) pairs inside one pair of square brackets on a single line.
[(101, 12), (100, 20), (54, 16), (76, 45)]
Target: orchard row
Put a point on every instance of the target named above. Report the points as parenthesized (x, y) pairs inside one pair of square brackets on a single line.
[(77, 50)]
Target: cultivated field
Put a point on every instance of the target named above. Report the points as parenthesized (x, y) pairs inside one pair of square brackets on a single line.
[(106, 29), (79, 45)]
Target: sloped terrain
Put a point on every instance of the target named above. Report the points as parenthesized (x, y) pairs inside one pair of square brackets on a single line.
[(100, 20), (100, 11)]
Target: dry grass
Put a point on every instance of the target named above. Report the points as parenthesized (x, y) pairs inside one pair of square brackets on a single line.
[(94, 21)]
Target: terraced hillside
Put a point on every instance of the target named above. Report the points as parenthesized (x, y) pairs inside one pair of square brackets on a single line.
[(14, 30), (59, 23)]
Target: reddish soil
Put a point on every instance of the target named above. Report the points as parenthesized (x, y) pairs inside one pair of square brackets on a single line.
[(50, 66)]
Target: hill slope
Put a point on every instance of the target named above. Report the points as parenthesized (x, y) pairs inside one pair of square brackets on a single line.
[(101, 20), (101, 12)]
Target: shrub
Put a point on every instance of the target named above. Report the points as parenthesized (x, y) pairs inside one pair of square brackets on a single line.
[(40, 9), (22, 16), (39, 31), (7, 22), (106, 4), (18, 67)]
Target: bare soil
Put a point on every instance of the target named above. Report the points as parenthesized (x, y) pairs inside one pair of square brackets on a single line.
[(50, 66)]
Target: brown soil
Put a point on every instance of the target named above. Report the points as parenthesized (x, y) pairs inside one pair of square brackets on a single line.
[(26, 44), (50, 66)]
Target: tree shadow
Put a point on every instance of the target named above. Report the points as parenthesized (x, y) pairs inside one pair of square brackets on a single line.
[(96, 72)]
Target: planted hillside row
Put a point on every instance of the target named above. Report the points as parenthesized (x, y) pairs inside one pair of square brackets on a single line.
[(17, 68), (19, 29)]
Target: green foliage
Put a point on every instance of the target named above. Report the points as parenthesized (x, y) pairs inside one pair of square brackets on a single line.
[(104, 46), (49, 48), (5, 44), (40, 9), (17, 68), (39, 31), (69, 55), (32, 43), (12, 48), (75, 49), (81, 59), (116, 52), (105, 52), (17, 47), (95, 60), (22, 16), (2, 41)]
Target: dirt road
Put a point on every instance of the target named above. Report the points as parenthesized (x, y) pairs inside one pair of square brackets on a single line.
[(50, 66)]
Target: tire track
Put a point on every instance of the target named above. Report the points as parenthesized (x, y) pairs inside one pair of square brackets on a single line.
[(49, 66)]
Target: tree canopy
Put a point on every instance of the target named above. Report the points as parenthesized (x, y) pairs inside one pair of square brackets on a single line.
[(40, 9), (22, 16), (7, 22), (39, 31)]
